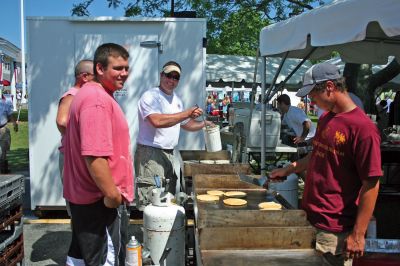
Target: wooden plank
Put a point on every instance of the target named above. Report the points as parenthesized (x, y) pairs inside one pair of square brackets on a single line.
[(303, 257), (204, 155), (222, 181), (225, 238), (250, 218), (192, 169)]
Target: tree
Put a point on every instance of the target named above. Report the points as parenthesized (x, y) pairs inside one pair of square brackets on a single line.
[(239, 34), (232, 26), (361, 81)]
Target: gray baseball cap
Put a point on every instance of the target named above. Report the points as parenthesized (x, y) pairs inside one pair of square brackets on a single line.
[(317, 74)]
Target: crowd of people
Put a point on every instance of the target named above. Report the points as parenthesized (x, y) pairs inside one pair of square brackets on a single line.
[(218, 107), (101, 177)]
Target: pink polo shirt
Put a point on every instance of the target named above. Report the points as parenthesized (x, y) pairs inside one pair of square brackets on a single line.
[(72, 91), (97, 127)]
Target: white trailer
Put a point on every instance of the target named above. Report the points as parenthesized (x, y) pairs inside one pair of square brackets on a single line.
[(56, 44)]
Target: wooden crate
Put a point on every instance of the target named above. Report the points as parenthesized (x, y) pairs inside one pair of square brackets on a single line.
[(204, 155), (270, 257), (191, 168), (222, 231)]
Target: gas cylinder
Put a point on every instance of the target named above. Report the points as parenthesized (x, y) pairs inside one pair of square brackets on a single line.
[(164, 230)]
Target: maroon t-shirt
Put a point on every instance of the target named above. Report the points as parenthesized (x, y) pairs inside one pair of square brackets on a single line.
[(346, 150)]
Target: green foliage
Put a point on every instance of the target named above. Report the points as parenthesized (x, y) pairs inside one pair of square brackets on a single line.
[(232, 26), (239, 34), (23, 115), (18, 156)]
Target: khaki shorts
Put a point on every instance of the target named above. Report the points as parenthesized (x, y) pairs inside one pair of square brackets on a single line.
[(5, 142), (151, 162), (331, 246)]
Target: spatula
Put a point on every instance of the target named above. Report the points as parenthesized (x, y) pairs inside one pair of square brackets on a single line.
[(261, 182)]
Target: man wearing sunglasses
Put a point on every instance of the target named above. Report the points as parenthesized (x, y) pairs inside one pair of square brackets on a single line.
[(343, 169), (161, 115)]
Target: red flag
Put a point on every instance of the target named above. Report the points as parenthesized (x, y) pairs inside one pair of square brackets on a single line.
[(5, 82), (1, 69)]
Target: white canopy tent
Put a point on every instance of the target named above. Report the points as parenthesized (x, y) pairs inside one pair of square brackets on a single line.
[(237, 69), (362, 31), (227, 73)]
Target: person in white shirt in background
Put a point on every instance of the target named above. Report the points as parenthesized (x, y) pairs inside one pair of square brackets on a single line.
[(296, 120), (6, 115)]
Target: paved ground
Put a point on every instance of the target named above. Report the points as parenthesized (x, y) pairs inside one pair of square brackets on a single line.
[(46, 243), (46, 240)]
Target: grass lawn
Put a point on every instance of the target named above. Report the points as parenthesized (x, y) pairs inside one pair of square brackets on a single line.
[(18, 156), (313, 118)]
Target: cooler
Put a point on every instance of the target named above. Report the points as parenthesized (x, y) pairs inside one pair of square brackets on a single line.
[(272, 125)]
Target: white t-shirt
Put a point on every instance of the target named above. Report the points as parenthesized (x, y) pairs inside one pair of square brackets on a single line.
[(294, 118), (154, 101)]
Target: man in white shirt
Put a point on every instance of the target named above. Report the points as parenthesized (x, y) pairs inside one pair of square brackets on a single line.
[(161, 115), (6, 115), (296, 120)]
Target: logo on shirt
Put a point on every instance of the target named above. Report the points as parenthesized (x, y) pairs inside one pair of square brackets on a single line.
[(339, 138)]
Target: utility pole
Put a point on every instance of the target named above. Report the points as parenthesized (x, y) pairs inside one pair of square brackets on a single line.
[(172, 8), (22, 16)]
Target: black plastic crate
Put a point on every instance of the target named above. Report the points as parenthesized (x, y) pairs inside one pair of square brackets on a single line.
[(12, 187)]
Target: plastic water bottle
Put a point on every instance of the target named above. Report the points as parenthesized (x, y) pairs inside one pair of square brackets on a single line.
[(133, 253)]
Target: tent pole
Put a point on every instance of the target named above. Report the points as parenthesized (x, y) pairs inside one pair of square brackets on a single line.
[(297, 67), (275, 77), (262, 118), (263, 107), (282, 84), (252, 100)]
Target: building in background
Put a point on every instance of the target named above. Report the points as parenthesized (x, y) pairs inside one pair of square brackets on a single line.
[(10, 72)]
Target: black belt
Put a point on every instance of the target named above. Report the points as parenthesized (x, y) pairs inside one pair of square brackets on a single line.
[(169, 151), (3, 125)]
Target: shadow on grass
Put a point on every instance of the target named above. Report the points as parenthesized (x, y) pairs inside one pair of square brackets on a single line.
[(18, 159)]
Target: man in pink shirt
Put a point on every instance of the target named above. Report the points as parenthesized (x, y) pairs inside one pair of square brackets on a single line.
[(98, 170), (83, 74)]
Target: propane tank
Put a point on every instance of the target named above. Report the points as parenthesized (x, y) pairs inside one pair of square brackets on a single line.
[(164, 230)]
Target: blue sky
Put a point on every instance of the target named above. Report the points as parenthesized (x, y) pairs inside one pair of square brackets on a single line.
[(10, 15), (10, 28)]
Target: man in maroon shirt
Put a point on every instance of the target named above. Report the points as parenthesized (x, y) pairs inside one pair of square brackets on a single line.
[(343, 169)]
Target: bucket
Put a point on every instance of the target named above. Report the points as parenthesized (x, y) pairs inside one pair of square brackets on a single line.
[(212, 138), (288, 189)]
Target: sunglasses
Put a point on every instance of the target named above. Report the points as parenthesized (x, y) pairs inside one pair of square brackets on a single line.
[(171, 76)]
